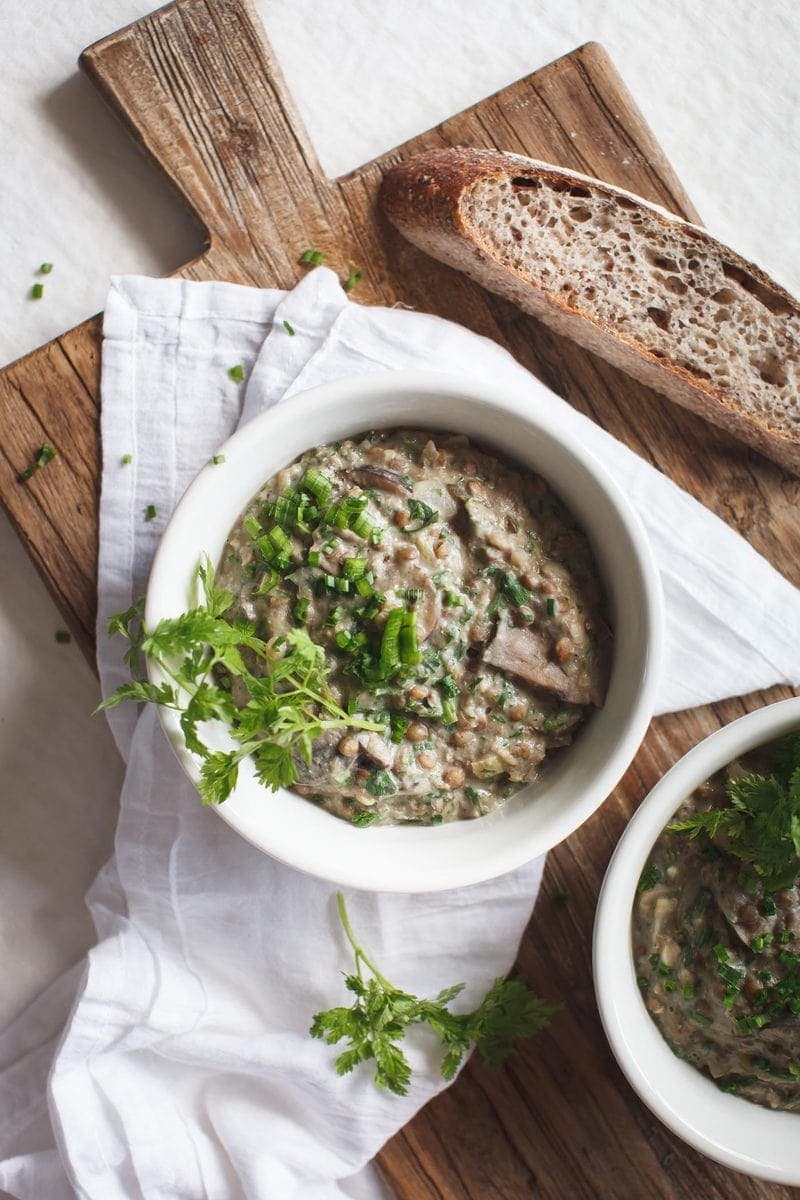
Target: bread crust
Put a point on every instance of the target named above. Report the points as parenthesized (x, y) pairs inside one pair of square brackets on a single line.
[(423, 198)]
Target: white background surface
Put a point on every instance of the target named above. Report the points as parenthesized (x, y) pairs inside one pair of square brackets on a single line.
[(718, 84)]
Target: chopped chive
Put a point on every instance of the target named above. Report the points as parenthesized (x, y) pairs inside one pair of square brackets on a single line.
[(301, 609), (63, 636), (449, 714), (390, 642), (551, 606), (289, 329), (410, 593), (45, 268), (317, 485), (217, 459), (408, 646), (236, 373), (150, 512), (37, 291), (354, 568), (126, 459), (45, 455), (313, 557), (353, 279), (311, 258)]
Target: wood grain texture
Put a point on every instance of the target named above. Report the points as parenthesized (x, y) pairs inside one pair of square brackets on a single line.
[(197, 86)]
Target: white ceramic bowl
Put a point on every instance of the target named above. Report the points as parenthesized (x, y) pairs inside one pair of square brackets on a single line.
[(742, 1135), (414, 858)]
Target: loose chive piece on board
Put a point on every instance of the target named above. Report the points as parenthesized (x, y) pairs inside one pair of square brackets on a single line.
[(288, 328), (311, 258), (45, 268), (45, 455), (353, 279), (150, 512), (217, 459), (37, 291), (236, 373)]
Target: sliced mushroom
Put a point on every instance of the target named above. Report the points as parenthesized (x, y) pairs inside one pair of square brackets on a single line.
[(377, 749), (370, 476), (523, 652)]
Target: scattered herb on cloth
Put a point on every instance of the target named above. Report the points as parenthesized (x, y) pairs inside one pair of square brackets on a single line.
[(285, 680), (382, 1013)]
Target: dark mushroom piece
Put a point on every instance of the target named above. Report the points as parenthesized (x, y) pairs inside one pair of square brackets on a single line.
[(522, 652), (382, 478)]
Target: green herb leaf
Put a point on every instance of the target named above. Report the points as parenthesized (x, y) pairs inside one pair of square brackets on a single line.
[(311, 258), (422, 512), (353, 280), (381, 1014), (45, 455)]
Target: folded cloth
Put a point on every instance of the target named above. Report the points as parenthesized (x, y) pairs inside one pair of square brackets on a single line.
[(186, 1069)]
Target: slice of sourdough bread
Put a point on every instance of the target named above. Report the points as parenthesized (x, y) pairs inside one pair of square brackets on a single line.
[(650, 293)]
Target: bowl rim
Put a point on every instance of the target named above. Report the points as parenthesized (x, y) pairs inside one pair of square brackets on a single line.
[(618, 994), (305, 410)]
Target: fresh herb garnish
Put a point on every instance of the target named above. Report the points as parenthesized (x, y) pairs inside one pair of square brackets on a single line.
[(649, 878), (760, 824), (290, 703), (63, 637), (289, 328), (45, 268), (353, 279), (37, 291), (236, 373), (45, 455), (150, 513), (422, 512), (311, 258), (381, 1014), (126, 459), (218, 459)]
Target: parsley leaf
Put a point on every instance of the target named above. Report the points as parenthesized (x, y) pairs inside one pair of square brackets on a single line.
[(422, 512), (381, 1014), (760, 824), (284, 701)]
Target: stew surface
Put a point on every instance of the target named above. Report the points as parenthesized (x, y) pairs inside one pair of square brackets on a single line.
[(458, 605)]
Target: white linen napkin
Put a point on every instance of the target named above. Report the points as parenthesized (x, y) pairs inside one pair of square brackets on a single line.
[(186, 1069)]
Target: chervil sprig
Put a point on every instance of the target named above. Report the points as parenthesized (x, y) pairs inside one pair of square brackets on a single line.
[(381, 1013), (760, 824), (285, 702)]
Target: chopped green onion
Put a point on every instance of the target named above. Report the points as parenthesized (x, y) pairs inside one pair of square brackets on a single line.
[(551, 607), (364, 586), (390, 642), (252, 527), (311, 258), (45, 268), (150, 512), (353, 279), (449, 713), (288, 328), (409, 648), (341, 585), (410, 593), (236, 373), (398, 724), (317, 485), (45, 455), (218, 459), (63, 637), (354, 568), (365, 528), (280, 540), (126, 459), (336, 614), (269, 581), (376, 603), (449, 686), (37, 291), (301, 609)]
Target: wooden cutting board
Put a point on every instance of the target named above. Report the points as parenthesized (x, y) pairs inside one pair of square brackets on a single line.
[(198, 87)]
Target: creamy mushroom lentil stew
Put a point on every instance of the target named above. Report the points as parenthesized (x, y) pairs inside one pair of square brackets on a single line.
[(457, 603), (716, 944)]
